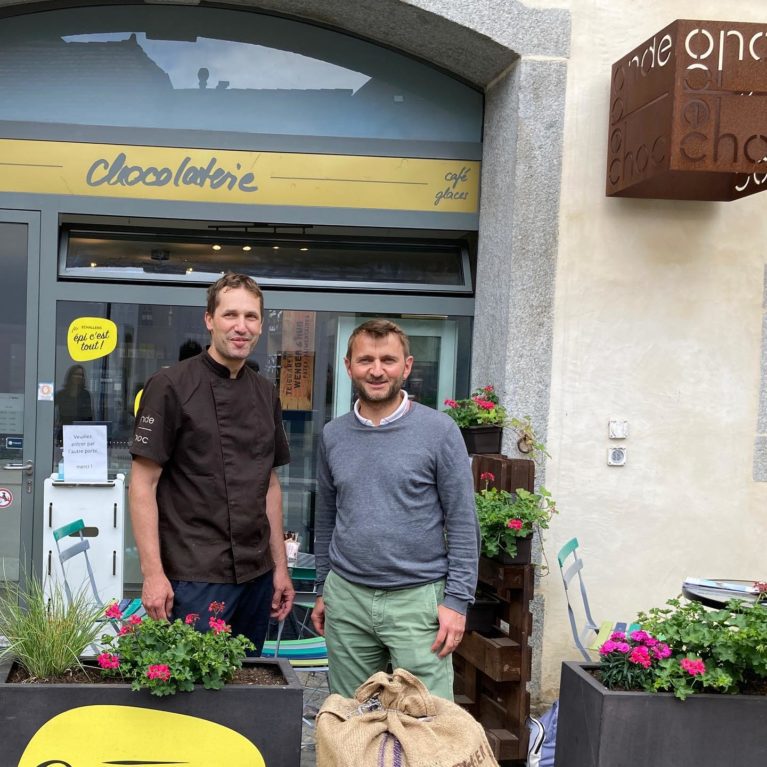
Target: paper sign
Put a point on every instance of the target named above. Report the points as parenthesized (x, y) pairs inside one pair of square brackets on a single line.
[(11, 413), (89, 338), (85, 453)]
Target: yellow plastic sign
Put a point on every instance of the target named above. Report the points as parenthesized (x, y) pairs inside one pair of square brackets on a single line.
[(240, 177), (89, 338), (92, 735)]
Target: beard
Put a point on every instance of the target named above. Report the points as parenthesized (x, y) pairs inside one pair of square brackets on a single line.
[(389, 394)]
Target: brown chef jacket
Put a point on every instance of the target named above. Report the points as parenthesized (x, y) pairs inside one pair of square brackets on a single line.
[(217, 439)]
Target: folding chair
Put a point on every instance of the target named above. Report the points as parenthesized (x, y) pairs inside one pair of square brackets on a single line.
[(128, 607), (597, 633), (306, 654)]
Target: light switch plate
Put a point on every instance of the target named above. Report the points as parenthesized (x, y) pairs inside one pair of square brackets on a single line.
[(618, 429)]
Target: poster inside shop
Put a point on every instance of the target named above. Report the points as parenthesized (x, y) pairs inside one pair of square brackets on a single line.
[(297, 360)]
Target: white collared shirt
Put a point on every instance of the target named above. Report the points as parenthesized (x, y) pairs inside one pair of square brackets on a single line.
[(404, 406)]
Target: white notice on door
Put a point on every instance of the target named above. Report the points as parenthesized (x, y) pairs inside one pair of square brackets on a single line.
[(11, 413), (85, 453)]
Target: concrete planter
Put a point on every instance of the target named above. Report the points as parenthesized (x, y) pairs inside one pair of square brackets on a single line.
[(77, 724), (598, 727)]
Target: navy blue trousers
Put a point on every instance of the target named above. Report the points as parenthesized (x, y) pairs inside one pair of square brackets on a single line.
[(246, 605)]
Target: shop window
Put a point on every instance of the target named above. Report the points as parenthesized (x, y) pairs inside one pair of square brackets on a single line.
[(193, 68), (274, 260), (301, 352)]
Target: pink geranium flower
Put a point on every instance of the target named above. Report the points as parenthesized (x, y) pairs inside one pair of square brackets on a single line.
[(488, 476), (693, 666), (191, 619), (219, 626), (158, 671), (514, 524), (113, 612), (135, 620), (108, 660), (451, 403)]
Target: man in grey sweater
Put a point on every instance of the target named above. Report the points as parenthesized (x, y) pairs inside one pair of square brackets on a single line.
[(397, 541)]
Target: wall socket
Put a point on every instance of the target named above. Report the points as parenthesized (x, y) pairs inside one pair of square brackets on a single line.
[(616, 456)]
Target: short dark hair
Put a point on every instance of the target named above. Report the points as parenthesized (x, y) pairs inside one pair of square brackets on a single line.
[(231, 281), (379, 329)]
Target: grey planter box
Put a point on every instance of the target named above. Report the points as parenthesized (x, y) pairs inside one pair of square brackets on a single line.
[(598, 727), (101, 723)]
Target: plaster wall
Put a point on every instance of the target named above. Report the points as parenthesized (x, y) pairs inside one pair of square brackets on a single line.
[(658, 311)]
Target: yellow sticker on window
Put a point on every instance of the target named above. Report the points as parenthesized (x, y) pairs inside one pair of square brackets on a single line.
[(89, 338), (132, 735)]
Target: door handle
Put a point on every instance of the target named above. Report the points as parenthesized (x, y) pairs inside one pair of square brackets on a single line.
[(27, 467)]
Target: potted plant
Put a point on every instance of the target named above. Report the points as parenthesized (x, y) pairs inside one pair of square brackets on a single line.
[(481, 418), (121, 709), (507, 521), (688, 688)]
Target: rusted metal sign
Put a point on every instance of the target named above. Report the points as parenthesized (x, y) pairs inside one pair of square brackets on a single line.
[(688, 114)]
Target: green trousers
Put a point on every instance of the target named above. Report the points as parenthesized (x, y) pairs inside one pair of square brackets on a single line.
[(366, 629)]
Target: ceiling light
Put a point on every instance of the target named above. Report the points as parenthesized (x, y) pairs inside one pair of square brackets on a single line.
[(216, 247), (189, 270), (275, 247), (303, 250), (93, 264), (246, 248)]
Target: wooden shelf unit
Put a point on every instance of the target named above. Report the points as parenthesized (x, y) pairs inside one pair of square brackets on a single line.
[(492, 668)]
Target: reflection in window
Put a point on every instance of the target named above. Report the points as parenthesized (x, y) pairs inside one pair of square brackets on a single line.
[(426, 265), (222, 70), (242, 66)]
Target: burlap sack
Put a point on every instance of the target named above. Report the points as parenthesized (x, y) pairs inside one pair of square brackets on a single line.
[(393, 721)]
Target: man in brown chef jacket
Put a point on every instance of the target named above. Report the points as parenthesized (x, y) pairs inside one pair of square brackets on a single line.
[(205, 501)]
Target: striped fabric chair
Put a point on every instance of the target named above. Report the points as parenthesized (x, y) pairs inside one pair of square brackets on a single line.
[(306, 654)]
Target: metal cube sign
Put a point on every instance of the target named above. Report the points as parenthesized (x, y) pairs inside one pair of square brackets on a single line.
[(688, 114)]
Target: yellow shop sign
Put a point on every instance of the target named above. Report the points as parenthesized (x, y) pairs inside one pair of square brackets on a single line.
[(241, 177)]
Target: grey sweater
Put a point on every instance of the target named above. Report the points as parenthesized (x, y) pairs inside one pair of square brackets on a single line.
[(395, 505)]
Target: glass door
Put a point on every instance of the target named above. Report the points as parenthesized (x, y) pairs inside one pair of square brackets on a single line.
[(434, 348), (19, 252)]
